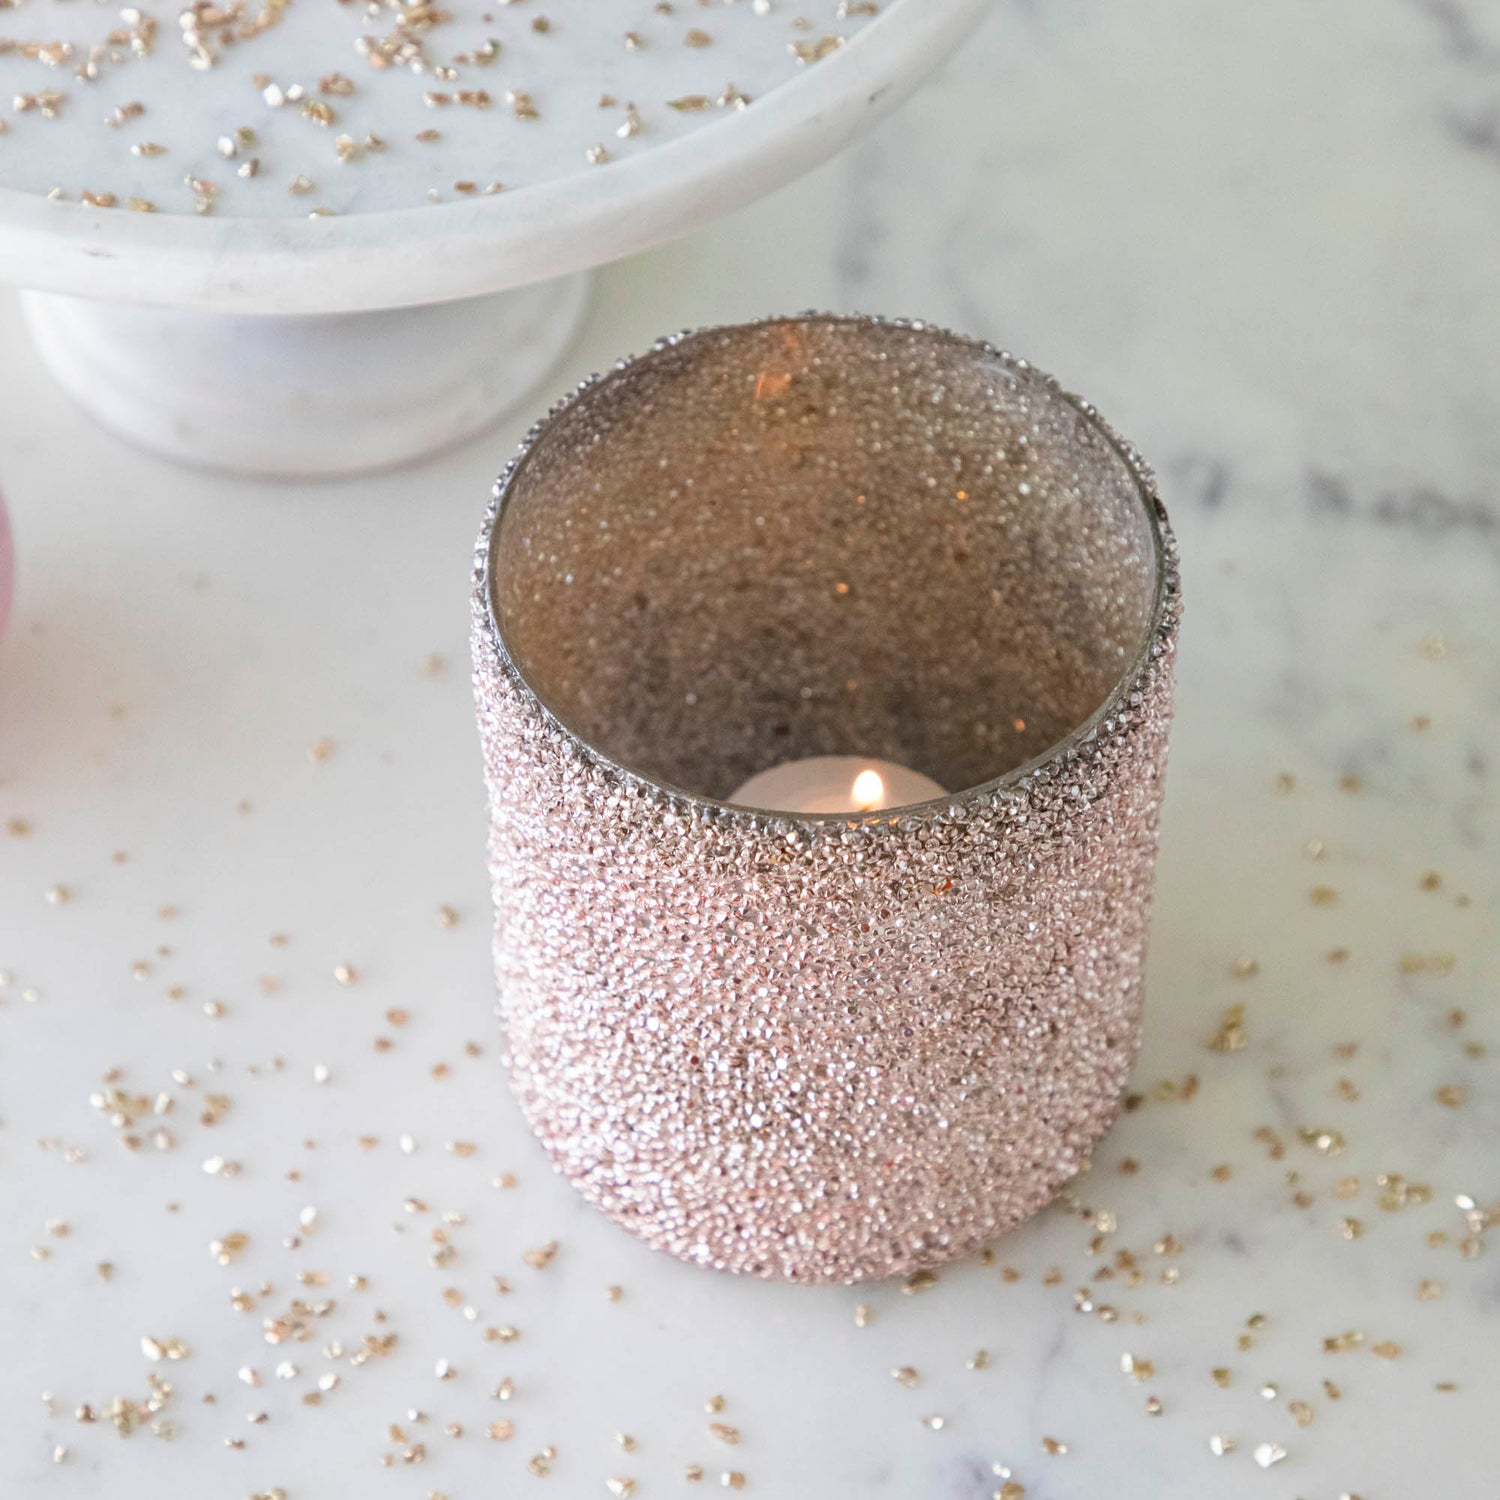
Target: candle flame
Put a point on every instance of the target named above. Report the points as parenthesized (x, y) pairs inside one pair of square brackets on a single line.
[(868, 791)]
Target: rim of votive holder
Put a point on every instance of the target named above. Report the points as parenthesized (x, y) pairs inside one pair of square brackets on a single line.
[(1160, 625)]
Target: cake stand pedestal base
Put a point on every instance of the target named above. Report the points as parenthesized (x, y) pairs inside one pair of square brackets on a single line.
[(299, 397)]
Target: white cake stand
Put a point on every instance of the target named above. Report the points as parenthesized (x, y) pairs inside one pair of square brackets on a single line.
[(251, 336)]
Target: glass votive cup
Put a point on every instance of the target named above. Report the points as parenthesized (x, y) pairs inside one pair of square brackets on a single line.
[(822, 1047)]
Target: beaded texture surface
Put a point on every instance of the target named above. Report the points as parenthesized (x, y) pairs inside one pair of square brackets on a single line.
[(822, 1048)]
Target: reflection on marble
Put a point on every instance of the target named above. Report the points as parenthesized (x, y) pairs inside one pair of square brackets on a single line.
[(1252, 235)]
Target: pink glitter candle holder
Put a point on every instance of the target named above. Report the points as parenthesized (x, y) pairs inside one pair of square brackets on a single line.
[(822, 1047)]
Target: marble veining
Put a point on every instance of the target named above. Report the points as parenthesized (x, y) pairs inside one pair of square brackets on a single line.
[(1250, 235), (1464, 34)]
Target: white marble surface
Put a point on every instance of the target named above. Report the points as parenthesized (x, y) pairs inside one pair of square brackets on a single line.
[(1262, 238)]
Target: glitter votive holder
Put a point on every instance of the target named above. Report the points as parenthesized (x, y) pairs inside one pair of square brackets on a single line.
[(822, 1047)]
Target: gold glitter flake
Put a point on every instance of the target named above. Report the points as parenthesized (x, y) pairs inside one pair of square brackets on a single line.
[(1342, 1343), (1168, 1090), (1427, 963), (1231, 1035), (1321, 1139), (160, 1349), (47, 103), (810, 52), (230, 1247)]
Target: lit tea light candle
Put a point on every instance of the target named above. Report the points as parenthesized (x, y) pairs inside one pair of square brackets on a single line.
[(836, 784)]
